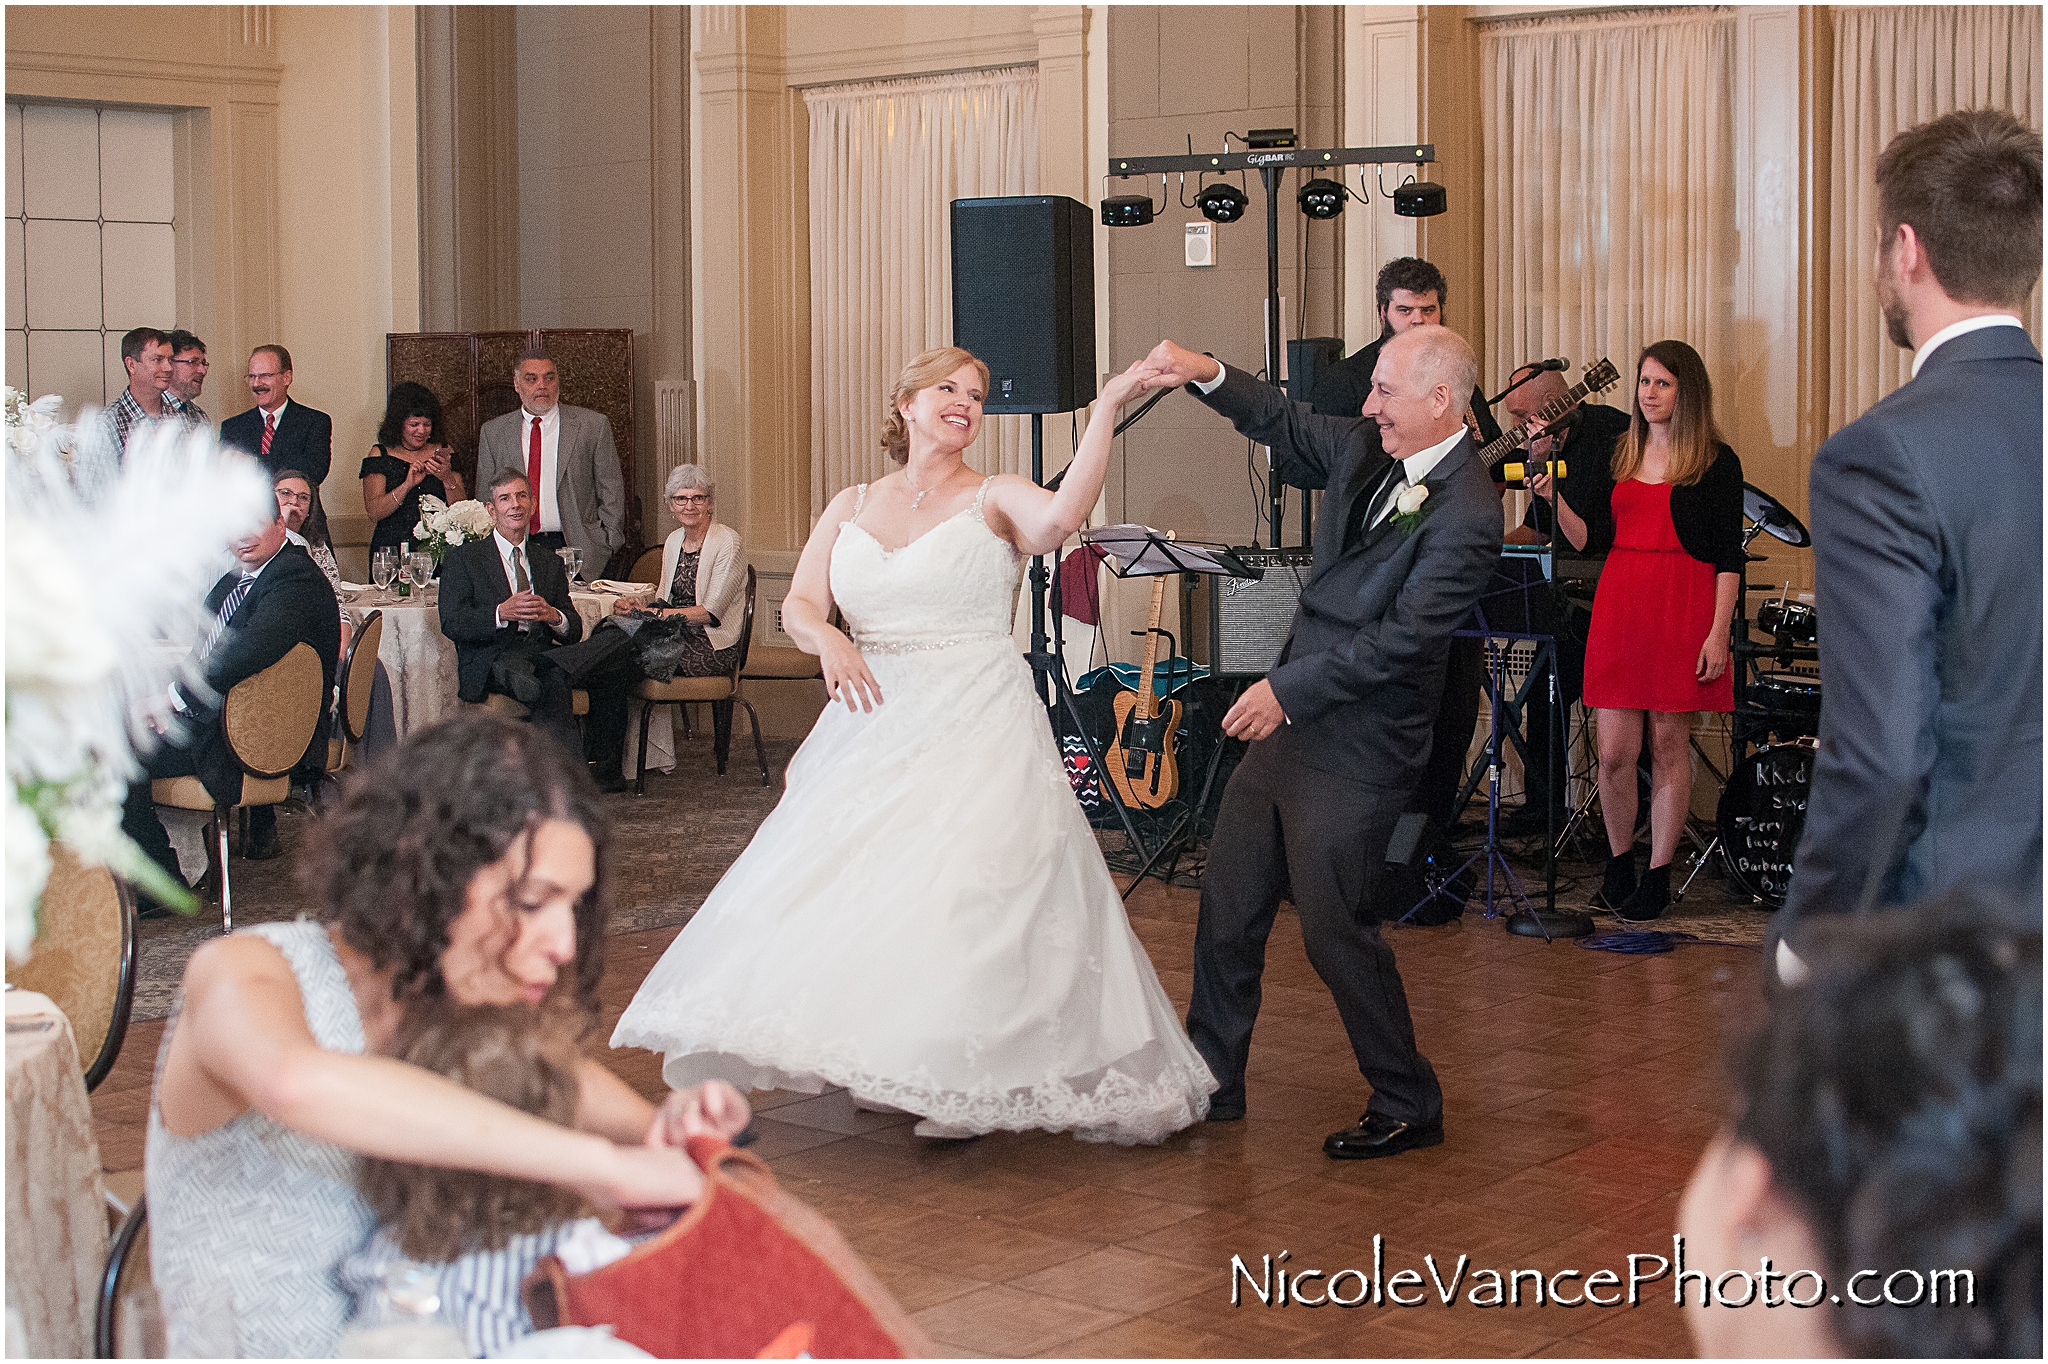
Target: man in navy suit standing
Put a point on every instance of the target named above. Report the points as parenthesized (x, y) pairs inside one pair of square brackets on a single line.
[(1340, 727), (1927, 553), (280, 433)]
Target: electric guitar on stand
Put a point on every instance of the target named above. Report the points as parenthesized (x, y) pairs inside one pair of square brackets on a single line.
[(1140, 758)]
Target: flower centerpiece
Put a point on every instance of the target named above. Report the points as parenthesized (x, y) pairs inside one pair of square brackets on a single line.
[(443, 526), (87, 672)]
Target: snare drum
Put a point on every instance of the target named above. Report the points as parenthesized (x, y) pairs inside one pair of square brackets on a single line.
[(1789, 622), (1762, 814), (1791, 702)]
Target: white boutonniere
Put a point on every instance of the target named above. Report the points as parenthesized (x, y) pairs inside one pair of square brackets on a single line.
[(1410, 507)]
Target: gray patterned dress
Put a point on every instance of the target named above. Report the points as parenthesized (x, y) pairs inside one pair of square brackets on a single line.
[(249, 1223)]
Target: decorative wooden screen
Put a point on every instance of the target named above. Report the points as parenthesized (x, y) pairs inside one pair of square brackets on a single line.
[(471, 373)]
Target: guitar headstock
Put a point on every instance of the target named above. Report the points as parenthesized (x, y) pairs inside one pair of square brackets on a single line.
[(1601, 375)]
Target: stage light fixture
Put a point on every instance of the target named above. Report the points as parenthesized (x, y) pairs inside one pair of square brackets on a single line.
[(1420, 200), (1321, 198), (1222, 202), (1127, 210)]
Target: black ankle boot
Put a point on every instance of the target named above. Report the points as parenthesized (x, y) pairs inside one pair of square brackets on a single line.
[(1618, 882), (1650, 896)]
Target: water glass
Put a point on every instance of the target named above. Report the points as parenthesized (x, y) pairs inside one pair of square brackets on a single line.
[(572, 561), (383, 570)]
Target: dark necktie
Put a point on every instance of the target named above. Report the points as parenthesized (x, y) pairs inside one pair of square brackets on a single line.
[(1391, 485), (520, 582), (227, 612)]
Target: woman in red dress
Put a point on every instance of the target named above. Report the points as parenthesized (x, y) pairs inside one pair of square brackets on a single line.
[(1658, 645)]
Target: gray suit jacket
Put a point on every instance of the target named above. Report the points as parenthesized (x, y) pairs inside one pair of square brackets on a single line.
[(588, 486), (1363, 667), (1927, 563)]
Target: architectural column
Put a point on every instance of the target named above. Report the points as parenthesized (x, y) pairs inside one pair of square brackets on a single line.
[(751, 263), (672, 384), (468, 167)]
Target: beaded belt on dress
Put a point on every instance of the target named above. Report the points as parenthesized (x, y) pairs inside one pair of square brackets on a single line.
[(868, 644)]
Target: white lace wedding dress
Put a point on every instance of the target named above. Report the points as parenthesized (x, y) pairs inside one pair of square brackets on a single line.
[(925, 918)]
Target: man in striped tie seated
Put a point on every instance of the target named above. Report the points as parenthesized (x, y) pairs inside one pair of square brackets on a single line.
[(274, 598)]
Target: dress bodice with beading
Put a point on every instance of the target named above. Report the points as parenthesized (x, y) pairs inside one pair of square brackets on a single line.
[(956, 582)]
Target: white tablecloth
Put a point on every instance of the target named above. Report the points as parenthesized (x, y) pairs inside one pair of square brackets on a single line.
[(420, 661), (56, 1203)]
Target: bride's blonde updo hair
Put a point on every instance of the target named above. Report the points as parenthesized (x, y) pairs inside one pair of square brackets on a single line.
[(922, 372)]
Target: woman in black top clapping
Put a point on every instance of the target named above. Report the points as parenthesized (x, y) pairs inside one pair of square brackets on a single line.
[(411, 458)]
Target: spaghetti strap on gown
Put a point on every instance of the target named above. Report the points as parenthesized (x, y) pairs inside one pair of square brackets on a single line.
[(925, 918)]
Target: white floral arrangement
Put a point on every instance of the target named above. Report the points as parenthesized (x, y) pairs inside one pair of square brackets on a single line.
[(87, 664), (443, 526)]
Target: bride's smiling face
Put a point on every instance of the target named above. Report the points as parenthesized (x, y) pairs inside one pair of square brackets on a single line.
[(948, 413)]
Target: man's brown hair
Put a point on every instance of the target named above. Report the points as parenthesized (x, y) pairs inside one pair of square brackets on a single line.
[(1970, 184), (518, 1055)]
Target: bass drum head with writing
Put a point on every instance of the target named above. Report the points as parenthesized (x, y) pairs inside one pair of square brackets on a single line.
[(1762, 815)]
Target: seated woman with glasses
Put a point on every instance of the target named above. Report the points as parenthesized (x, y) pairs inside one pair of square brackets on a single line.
[(690, 628)]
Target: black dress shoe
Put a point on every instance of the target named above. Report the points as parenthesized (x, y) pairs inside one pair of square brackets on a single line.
[(1227, 1112), (1376, 1136), (610, 783), (262, 849)]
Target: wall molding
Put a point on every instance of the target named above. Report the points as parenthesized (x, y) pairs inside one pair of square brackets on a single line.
[(934, 57)]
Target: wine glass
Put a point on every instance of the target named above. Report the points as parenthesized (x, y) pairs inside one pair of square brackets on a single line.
[(422, 568), (572, 560), (383, 569)]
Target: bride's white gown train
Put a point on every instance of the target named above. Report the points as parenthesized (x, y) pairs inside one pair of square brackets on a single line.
[(925, 918)]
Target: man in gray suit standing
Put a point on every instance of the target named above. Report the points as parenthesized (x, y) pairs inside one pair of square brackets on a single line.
[(1340, 726), (567, 455), (1927, 553)]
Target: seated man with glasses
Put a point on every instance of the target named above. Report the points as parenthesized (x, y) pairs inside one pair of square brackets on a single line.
[(691, 628)]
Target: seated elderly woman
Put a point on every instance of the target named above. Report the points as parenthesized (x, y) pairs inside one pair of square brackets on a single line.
[(1883, 1168), (468, 865), (691, 628)]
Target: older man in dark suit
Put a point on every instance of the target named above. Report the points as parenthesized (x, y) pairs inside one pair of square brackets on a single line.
[(505, 603), (1340, 727), (273, 599), (280, 433), (1927, 552)]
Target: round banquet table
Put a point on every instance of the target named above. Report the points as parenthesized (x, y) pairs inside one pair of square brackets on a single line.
[(56, 1202), (420, 662)]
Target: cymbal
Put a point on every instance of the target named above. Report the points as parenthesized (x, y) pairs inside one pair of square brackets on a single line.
[(1771, 515)]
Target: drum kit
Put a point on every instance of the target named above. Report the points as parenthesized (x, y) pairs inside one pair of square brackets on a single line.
[(1775, 729)]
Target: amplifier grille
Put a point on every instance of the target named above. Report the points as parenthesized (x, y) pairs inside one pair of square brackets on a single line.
[(1248, 621)]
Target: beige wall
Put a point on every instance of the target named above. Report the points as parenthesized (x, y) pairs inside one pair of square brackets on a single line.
[(296, 160)]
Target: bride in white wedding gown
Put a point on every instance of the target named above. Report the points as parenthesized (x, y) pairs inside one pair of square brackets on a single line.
[(925, 918)]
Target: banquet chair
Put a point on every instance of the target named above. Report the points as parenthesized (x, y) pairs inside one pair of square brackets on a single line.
[(127, 1295), (358, 671), (84, 957), (786, 663), (270, 720), (647, 568), (723, 688)]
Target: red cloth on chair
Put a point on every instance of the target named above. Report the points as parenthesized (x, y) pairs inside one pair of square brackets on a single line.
[(746, 1272)]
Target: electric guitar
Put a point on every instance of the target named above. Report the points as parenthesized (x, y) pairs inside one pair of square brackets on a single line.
[(1600, 376), (1140, 758)]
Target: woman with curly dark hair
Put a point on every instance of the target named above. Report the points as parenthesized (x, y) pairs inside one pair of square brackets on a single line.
[(466, 866), (1885, 1151), (411, 458)]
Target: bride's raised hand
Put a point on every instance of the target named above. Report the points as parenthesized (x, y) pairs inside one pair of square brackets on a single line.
[(846, 674), (1121, 388)]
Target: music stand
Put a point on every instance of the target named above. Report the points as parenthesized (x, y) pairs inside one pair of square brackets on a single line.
[(1133, 551)]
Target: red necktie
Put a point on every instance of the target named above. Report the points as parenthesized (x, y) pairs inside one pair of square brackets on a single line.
[(269, 430), (532, 475)]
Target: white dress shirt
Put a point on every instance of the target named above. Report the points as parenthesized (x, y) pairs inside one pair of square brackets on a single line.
[(550, 444), (1955, 329), (507, 551), (1418, 467)]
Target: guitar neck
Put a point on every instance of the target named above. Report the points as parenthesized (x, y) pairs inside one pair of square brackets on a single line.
[(1497, 450), (1151, 647)]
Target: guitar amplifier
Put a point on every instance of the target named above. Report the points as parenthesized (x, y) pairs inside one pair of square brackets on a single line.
[(1247, 621)]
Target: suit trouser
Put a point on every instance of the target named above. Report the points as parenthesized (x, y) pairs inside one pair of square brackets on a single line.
[(1326, 835), (553, 710), (139, 819), (1457, 714), (604, 666)]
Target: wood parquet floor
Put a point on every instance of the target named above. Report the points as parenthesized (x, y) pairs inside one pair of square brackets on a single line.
[(1580, 1088)]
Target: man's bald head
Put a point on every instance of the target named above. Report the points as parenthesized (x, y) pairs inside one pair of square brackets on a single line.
[(1421, 388), (1531, 397)]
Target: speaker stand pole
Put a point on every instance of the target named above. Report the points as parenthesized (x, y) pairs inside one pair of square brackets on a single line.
[(1038, 636), (1275, 489)]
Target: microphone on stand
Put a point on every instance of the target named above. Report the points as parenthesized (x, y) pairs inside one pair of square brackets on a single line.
[(1559, 364)]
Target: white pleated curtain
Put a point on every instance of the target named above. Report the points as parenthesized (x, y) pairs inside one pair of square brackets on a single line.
[(1610, 189), (1895, 68), (887, 158)]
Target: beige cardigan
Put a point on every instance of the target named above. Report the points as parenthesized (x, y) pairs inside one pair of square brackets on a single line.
[(721, 579)]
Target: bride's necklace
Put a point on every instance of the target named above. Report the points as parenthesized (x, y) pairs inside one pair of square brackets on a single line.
[(916, 501)]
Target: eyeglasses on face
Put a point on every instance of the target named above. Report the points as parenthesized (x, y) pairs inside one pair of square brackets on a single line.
[(691, 499)]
